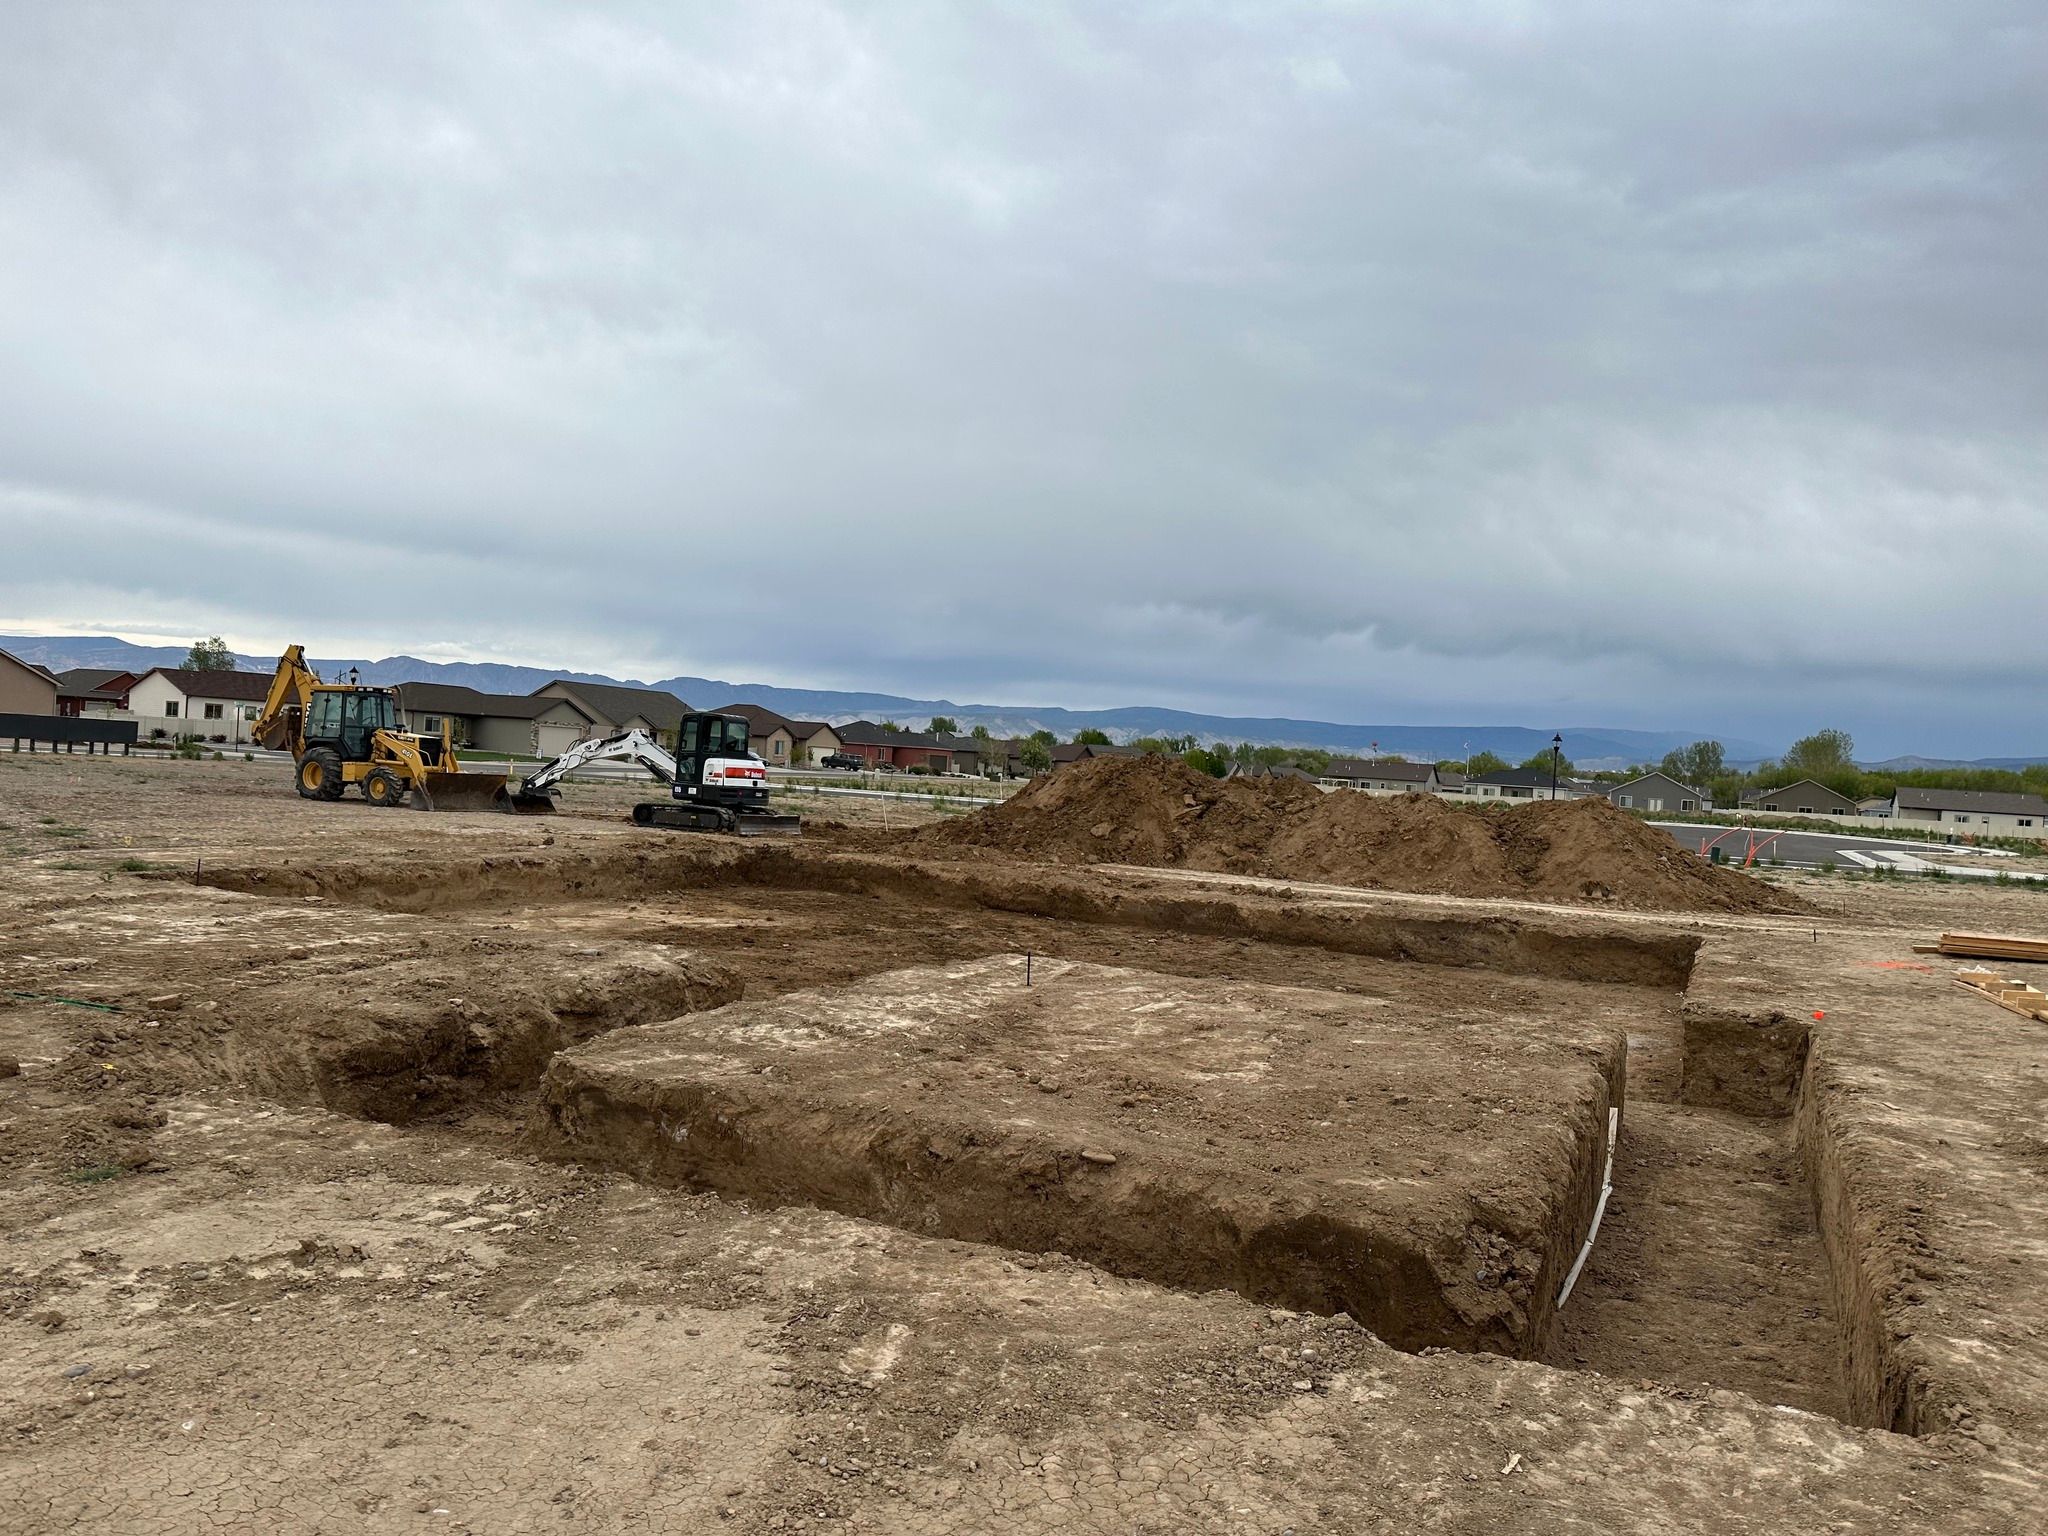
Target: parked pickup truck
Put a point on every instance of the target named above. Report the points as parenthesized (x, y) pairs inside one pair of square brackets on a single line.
[(852, 760)]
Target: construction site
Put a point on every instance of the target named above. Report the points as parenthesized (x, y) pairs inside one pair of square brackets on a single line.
[(1145, 1153)]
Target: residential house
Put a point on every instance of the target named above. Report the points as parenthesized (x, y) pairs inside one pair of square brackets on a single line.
[(987, 755), (1526, 784), (1449, 781), (1876, 805), (615, 707), (1381, 776), (895, 749), (1083, 751), (1802, 797), (1658, 792), (517, 724), (214, 706), (25, 688), (93, 691), (782, 742), (1270, 771), (1983, 812)]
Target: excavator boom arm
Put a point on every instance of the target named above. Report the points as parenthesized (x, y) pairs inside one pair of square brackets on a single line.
[(292, 688), (634, 746)]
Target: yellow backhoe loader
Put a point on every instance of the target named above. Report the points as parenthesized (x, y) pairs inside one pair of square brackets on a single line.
[(342, 733)]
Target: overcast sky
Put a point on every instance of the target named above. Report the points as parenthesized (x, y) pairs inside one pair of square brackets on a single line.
[(1675, 365)]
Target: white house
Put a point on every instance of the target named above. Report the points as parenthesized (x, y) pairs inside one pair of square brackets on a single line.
[(214, 706), (1982, 812)]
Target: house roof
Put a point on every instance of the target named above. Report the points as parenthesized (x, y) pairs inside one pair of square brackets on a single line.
[(865, 733), (1750, 796), (1396, 769), (454, 699), (1644, 778), (1995, 802), (1077, 751), (28, 666), (617, 702), (1529, 778), (760, 717), (82, 682), (251, 687), (1270, 771)]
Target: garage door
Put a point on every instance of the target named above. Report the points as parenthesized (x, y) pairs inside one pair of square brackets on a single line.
[(554, 740)]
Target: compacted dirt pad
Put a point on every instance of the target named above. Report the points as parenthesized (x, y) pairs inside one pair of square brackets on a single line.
[(1158, 811), (1318, 1150)]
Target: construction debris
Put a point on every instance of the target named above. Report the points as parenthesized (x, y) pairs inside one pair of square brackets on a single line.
[(1987, 946), (2028, 1002)]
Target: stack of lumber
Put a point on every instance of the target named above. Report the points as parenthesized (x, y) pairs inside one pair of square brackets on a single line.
[(1988, 946), (2028, 1002)]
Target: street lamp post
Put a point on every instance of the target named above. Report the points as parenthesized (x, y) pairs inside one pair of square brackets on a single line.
[(1556, 748)]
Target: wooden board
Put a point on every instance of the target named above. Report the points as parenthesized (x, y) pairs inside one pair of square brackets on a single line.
[(2016, 996), (1992, 946)]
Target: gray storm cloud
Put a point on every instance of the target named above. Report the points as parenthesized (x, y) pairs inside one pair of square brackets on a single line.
[(1675, 365)]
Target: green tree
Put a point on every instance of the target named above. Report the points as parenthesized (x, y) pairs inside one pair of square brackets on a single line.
[(891, 725), (1035, 755), (1044, 738), (210, 655), (1204, 760), (1091, 737), (1539, 762), (944, 725), (1698, 765), (981, 733), (1824, 752), (1483, 761)]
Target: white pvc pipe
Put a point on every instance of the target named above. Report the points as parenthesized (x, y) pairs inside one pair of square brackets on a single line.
[(1599, 1210)]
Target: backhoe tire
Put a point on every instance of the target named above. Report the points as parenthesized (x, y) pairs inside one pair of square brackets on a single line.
[(383, 789), (320, 774)]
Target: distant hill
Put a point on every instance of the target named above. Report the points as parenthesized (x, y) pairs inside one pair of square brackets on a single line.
[(1915, 764), (1587, 746)]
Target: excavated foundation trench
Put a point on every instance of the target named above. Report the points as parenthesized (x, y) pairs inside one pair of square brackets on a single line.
[(1731, 1206)]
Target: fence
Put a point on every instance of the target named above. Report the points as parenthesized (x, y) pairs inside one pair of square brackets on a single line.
[(68, 732)]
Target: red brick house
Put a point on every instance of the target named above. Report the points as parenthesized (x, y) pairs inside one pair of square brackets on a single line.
[(896, 749)]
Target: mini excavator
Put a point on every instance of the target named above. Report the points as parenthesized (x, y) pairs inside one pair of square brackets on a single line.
[(715, 782)]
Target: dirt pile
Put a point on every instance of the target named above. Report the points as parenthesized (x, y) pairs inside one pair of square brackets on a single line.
[(1158, 811)]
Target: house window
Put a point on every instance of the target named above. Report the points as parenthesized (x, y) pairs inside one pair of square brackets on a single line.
[(1806, 810), (1624, 799), (1656, 804), (1770, 805), (213, 711), (1688, 805), (432, 725), (170, 709), (2026, 821)]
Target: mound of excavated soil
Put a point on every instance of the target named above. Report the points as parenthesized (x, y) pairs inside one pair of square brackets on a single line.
[(1159, 811)]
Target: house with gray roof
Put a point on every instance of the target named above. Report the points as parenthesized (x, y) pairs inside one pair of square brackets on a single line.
[(1979, 812), (536, 725), (614, 707)]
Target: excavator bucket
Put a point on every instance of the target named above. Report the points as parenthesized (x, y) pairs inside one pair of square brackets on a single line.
[(440, 790), (767, 824), (530, 802)]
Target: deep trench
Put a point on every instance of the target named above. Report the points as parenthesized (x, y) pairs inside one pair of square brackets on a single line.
[(1715, 1265)]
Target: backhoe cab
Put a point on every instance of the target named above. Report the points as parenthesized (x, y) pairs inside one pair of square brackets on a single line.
[(343, 734)]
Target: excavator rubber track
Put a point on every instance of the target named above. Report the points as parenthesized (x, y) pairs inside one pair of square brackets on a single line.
[(714, 818)]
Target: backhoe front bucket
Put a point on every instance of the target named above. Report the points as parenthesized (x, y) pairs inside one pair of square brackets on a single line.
[(439, 790)]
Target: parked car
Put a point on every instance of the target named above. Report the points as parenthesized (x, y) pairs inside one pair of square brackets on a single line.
[(851, 760)]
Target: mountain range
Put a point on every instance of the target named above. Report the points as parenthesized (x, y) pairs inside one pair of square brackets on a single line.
[(1587, 746)]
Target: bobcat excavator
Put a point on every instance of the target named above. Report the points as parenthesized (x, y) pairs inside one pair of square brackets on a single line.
[(341, 734), (715, 782)]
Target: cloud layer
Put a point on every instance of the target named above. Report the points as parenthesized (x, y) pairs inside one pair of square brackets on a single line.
[(1666, 366)]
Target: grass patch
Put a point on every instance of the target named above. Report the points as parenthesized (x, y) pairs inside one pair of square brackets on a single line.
[(64, 831), (101, 1174), (138, 866)]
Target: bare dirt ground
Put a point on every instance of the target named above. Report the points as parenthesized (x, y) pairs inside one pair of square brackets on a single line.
[(280, 1248)]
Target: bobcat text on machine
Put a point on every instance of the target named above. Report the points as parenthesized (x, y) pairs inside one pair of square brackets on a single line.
[(343, 734), (715, 782)]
